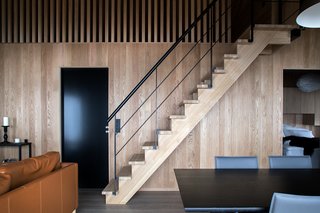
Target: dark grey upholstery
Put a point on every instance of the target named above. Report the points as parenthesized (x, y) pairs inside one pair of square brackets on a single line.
[(290, 162), (236, 162), (315, 158), (282, 203)]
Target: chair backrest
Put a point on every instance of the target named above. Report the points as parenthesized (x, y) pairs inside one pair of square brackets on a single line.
[(294, 203), (315, 158), (236, 162), (290, 162)]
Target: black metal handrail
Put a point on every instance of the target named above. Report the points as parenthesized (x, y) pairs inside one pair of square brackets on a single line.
[(158, 106), (173, 69), (154, 68)]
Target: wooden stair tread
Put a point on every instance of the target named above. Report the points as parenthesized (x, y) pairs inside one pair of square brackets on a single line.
[(243, 41), (191, 101), (203, 86), (219, 70), (164, 132), (137, 159), (177, 117), (125, 173), (150, 145), (278, 27), (110, 188), (231, 56)]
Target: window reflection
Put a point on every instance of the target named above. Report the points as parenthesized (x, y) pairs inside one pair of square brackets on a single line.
[(73, 124)]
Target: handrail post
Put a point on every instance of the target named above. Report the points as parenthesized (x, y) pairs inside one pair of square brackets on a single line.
[(280, 11), (251, 20), (116, 131)]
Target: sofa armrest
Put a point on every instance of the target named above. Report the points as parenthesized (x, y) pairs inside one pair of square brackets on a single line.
[(69, 186), (56, 192)]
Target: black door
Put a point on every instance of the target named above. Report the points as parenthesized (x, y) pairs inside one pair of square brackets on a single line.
[(84, 115)]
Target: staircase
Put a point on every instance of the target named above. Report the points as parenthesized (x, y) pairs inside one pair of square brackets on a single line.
[(142, 165)]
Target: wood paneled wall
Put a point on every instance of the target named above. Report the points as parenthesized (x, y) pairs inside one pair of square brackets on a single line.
[(298, 102), (246, 121), (30, 79), (302, 109), (56, 21)]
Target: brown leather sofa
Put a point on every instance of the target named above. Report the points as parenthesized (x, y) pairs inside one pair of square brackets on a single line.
[(39, 185)]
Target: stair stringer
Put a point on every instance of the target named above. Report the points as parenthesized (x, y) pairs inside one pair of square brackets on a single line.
[(195, 112)]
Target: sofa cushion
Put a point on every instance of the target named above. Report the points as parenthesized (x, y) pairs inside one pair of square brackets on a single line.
[(24, 171)]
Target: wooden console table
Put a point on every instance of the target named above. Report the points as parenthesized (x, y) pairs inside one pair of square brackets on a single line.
[(19, 145)]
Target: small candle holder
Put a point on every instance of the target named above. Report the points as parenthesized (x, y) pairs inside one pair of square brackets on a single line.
[(5, 136)]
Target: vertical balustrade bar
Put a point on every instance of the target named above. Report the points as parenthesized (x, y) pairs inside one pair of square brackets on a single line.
[(280, 5), (211, 34), (251, 20), (156, 137), (115, 155)]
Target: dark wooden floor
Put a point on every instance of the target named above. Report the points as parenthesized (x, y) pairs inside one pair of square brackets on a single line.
[(91, 201)]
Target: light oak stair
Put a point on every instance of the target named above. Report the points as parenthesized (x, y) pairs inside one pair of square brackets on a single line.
[(137, 159), (125, 173), (150, 145), (231, 56), (219, 70), (243, 42), (195, 110)]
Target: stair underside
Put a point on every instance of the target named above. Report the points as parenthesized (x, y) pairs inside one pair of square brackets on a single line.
[(195, 112)]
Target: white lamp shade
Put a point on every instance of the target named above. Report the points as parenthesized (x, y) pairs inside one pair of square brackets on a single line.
[(310, 17)]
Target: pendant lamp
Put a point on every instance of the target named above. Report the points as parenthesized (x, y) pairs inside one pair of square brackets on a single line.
[(309, 16)]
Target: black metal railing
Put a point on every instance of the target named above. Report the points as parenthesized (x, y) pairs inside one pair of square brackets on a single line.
[(154, 70), (213, 20)]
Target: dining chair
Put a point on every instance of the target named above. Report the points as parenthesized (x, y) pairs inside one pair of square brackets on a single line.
[(236, 162), (290, 162), (282, 203), (315, 158)]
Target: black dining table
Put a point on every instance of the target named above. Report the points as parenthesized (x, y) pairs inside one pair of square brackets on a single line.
[(242, 190)]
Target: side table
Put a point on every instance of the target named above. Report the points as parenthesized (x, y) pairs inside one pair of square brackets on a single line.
[(19, 145)]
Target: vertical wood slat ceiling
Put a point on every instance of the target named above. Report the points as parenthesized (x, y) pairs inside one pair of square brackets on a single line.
[(56, 21)]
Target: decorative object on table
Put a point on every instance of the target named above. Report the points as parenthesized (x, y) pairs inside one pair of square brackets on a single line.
[(5, 126), (17, 140), (26, 140), (8, 160)]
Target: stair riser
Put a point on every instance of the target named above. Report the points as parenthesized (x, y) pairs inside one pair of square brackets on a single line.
[(175, 124), (163, 138), (188, 108)]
